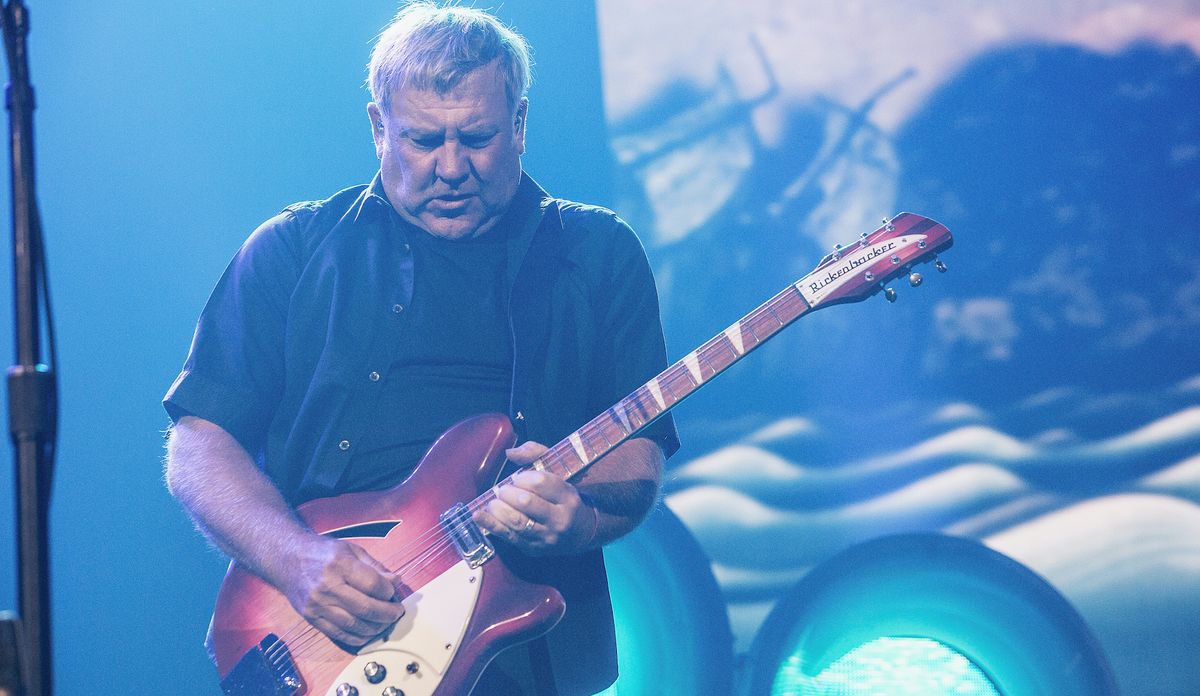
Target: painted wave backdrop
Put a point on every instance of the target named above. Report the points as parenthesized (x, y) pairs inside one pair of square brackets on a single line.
[(1113, 522)]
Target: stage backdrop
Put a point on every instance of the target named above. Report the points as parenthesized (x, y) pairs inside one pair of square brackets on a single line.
[(1043, 396)]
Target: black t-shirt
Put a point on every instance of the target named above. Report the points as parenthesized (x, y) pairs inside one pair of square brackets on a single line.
[(453, 359)]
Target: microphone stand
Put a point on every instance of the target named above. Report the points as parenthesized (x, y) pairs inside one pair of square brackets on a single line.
[(32, 389)]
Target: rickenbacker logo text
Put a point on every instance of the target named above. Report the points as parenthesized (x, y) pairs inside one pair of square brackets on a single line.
[(811, 287)]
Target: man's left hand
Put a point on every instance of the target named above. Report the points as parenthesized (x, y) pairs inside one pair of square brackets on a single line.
[(538, 512)]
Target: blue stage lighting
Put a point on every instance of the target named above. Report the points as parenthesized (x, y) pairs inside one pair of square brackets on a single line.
[(673, 634), (888, 667), (925, 614)]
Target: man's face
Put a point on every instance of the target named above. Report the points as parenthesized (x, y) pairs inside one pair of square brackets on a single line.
[(451, 162)]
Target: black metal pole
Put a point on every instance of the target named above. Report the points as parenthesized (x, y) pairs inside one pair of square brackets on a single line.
[(31, 384)]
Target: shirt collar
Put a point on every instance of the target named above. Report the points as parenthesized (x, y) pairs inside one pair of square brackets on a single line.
[(372, 201), (530, 203)]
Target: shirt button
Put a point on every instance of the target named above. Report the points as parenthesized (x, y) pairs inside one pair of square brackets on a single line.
[(374, 376), (397, 308), (344, 445)]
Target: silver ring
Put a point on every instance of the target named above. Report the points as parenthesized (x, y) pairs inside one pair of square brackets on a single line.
[(528, 525)]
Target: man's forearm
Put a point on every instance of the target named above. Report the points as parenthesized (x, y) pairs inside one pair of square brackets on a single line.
[(622, 488), (232, 502)]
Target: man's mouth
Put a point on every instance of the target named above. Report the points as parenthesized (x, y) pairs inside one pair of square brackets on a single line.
[(452, 204)]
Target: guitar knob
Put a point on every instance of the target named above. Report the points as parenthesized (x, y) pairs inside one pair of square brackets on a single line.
[(374, 672), (890, 294), (392, 691), (914, 279), (346, 690), (940, 266)]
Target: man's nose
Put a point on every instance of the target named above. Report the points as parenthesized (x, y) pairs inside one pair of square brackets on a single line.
[(454, 166)]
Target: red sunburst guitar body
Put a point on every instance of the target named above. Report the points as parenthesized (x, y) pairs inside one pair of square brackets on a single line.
[(458, 617)]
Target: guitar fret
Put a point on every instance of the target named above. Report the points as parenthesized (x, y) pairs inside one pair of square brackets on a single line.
[(678, 384), (763, 327), (642, 401), (568, 459), (720, 351), (771, 309), (601, 429), (702, 353), (795, 299)]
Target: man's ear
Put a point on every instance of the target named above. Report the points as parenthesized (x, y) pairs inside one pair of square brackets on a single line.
[(519, 123), (375, 114)]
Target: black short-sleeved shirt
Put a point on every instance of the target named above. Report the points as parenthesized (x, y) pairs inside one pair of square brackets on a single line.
[(296, 341), (453, 359)]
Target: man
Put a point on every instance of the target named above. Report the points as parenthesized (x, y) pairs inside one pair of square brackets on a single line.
[(348, 333)]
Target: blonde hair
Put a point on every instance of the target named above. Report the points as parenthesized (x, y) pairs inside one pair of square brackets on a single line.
[(428, 47)]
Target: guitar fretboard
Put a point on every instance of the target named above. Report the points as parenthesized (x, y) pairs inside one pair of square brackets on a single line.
[(625, 419)]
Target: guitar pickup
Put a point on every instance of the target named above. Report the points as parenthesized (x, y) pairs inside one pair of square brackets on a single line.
[(468, 538)]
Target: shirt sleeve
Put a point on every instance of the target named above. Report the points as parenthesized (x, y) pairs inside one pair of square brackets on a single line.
[(632, 349), (234, 372)]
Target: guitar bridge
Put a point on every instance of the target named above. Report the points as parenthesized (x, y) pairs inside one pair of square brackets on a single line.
[(468, 538), (267, 670)]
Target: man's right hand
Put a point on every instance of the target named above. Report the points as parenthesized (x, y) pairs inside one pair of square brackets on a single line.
[(333, 584), (344, 592)]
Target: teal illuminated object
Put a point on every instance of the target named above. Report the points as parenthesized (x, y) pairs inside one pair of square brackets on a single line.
[(889, 667), (1017, 632), (673, 634)]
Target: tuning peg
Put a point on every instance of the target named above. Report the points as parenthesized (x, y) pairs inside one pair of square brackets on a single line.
[(890, 294), (914, 279), (941, 267), (887, 224)]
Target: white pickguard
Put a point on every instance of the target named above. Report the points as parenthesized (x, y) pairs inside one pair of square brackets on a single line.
[(419, 648)]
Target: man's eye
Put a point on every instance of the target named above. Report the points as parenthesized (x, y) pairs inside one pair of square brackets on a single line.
[(426, 143), (476, 141)]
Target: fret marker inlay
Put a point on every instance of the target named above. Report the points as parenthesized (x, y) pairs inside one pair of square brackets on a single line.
[(619, 409), (734, 334), (577, 443), (693, 366), (652, 385)]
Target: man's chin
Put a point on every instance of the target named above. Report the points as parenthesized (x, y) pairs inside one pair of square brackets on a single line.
[(457, 227)]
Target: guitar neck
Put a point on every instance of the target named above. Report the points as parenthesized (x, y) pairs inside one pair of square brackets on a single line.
[(644, 405), (850, 274)]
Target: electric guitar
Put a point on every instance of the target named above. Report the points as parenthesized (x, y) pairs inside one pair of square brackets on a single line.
[(463, 604)]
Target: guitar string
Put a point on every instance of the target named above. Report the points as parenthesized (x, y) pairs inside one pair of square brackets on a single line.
[(669, 378)]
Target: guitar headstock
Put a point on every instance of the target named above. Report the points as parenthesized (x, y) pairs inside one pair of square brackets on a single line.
[(856, 271)]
